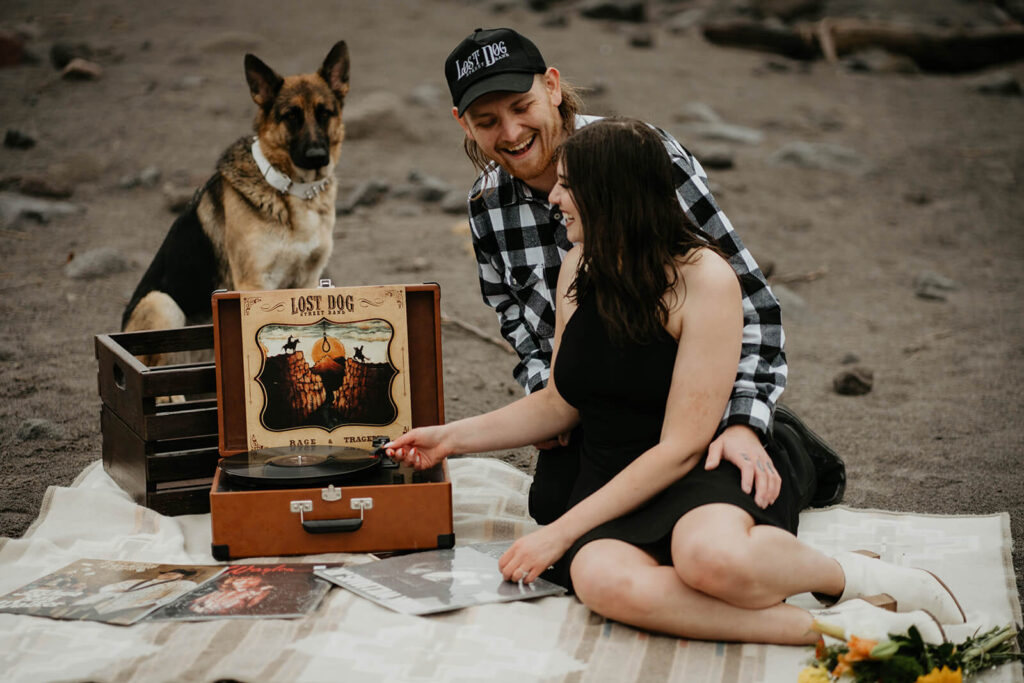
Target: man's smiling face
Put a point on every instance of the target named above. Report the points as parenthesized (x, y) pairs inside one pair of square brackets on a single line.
[(520, 131)]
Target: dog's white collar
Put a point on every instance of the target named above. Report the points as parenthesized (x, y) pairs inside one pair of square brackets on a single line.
[(282, 183)]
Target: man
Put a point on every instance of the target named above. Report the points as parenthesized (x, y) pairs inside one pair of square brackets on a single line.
[(516, 111)]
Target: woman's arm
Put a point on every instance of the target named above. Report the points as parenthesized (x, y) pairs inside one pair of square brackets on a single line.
[(707, 318), (538, 416)]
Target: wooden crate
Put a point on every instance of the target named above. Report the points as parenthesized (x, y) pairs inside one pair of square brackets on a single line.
[(163, 454)]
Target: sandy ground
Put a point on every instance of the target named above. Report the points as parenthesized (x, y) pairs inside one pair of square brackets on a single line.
[(933, 187)]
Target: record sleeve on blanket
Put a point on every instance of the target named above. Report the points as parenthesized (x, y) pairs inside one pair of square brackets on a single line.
[(251, 591), (438, 580), (110, 591)]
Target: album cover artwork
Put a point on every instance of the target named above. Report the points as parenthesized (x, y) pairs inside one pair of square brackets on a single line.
[(437, 580), (325, 366), (111, 591), (268, 591)]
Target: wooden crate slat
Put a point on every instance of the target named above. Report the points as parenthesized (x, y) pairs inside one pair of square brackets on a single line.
[(181, 465), (186, 500), (170, 425), (171, 380), (192, 338)]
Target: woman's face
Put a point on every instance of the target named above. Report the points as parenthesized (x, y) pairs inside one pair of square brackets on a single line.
[(560, 194)]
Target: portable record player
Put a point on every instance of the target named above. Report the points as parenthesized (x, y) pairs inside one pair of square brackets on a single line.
[(310, 384)]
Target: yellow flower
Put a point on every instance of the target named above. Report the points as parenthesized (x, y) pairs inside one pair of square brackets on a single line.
[(813, 674), (944, 676)]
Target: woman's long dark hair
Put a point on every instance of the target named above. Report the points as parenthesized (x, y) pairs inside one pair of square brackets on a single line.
[(634, 230)]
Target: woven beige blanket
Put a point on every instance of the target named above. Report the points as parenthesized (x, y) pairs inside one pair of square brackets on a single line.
[(351, 639)]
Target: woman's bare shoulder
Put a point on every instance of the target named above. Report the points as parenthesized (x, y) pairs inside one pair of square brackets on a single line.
[(705, 283), (704, 270)]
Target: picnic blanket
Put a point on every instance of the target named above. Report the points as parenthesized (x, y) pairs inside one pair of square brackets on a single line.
[(348, 638)]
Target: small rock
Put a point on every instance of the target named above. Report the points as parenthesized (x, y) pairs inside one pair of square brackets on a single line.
[(404, 190), (96, 263), (555, 20), (698, 112), (919, 197), (502, 6), (231, 42), (850, 359), (408, 210), (149, 176), (62, 54), (368, 193), (177, 197), (40, 186), (454, 202), (598, 87), (930, 285), (81, 70), (685, 20), (617, 10), (821, 155), (787, 10), (12, 49), (718, 160), (378, 115), (36, 428), (15, 139), (641, 39), (15, 206), (725, 132), (856, 381), (777, 65), (877, 60), (428, 188), (997, 83), (428, 96), (189, 82)]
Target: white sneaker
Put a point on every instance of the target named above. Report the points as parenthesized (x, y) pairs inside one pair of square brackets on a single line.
[(864, 620)]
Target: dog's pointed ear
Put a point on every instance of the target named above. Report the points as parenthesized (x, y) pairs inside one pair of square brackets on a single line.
[(264, 83), (335, 70)]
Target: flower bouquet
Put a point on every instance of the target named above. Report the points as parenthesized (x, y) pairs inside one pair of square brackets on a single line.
[(907, 659)]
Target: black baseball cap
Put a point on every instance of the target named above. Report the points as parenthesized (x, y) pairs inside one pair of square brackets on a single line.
[(491, 60)]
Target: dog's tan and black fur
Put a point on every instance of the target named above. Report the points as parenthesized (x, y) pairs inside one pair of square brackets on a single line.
[(239, 232)]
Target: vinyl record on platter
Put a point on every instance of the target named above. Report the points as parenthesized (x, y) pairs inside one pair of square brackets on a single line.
[(297, 466)]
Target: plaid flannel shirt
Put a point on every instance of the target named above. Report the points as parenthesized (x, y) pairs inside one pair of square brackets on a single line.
[(520, 240)]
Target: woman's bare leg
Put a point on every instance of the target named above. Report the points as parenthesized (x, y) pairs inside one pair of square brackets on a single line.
[(719, 550), (622, 582)]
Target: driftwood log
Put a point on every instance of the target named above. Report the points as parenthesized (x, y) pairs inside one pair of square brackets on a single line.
[(932, 49)]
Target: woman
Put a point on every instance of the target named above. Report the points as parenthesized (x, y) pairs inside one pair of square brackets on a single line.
[(648, 334)]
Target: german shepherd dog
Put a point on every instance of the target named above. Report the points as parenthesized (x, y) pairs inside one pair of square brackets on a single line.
[(265, 219)]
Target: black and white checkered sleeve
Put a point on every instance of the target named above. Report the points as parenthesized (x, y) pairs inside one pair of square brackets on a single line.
[(510, 291), (761, 377)]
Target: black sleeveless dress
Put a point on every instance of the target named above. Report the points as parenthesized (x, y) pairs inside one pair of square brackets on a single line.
[(620, 393)]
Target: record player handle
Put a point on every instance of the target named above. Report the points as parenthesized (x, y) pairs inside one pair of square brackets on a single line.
[(331, 526)]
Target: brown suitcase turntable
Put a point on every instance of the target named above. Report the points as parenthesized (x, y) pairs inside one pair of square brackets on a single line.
[(301, 420)]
